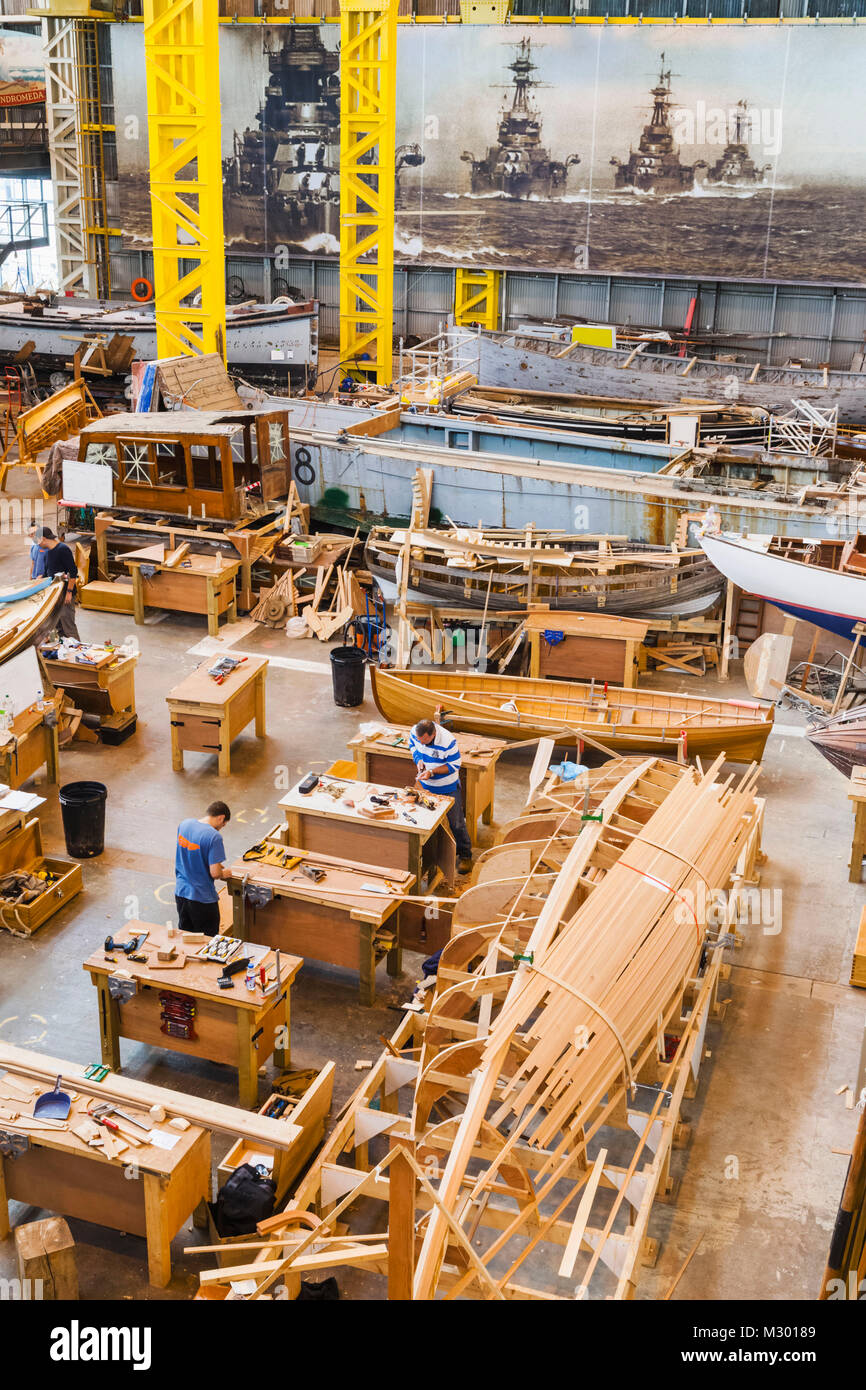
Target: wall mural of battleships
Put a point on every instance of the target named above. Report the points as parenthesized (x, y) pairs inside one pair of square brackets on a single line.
[(735, 167), (655, 166), (518, 165), (291, 163)]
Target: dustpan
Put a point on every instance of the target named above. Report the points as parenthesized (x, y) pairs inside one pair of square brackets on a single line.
[(53, 1105)]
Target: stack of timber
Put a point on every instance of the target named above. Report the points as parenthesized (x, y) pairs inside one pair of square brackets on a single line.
[(511, 570), (846, 1262), (538, 1102), (612, 719)]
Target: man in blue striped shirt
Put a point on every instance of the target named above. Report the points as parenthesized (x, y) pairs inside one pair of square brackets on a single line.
[(437, 760)]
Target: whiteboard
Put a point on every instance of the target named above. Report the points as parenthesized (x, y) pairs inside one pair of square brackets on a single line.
[(87, 484), (21, 681)]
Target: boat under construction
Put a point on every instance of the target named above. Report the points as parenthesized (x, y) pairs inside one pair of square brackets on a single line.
[(575, 573), (653, 370)]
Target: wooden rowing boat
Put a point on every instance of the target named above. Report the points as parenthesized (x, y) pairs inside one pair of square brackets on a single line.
[(510, 570), (26, 610), (625, 721)]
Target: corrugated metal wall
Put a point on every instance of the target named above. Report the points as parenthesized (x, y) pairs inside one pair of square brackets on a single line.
[(776, 322)]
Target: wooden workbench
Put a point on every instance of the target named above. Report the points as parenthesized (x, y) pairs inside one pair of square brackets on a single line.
[(206, 717), (384, 757), (322, 823), (204, 584), (31, 743), (857, 797), (103, 685), (253, 539), (593, 647), (60, 1173), (324, 921), (235, 1026)]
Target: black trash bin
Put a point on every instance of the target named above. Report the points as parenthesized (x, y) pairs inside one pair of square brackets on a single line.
[(82, 805), (347, 674)]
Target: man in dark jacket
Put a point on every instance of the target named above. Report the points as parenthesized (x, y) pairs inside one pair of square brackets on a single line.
[(59, 561)]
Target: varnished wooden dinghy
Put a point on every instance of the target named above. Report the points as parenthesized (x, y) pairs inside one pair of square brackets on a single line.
[(25, 611), (625, 721)]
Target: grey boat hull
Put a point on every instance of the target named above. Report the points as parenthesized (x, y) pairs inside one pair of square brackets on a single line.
[(532, 364)]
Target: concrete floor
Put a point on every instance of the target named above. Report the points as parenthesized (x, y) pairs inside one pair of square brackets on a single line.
[(759, 1181)]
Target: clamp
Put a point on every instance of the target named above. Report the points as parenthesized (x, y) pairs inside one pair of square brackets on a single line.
[(527, 959)]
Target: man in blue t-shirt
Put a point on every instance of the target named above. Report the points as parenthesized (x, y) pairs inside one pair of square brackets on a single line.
[(38, 556), (199, 862), (437, 760)]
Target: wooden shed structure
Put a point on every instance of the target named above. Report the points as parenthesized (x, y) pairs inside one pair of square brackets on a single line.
[(209, 461)]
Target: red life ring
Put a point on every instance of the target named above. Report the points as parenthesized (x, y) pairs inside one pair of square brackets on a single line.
[(141, 283)]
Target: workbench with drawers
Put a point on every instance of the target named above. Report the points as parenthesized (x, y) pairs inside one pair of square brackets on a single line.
[(238, 1027), (349, 917), (414, 839), (207, 716)]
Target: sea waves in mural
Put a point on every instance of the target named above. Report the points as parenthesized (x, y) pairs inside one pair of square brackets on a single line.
[(724, 150)]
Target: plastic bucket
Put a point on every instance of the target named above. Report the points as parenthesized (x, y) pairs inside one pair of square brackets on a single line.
[(82, 805), (347, 674)]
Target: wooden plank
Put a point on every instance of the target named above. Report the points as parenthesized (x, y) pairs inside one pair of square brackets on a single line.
[(581, 1218), (222, 1119)]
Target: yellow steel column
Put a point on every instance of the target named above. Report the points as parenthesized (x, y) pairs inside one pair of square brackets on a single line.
[(476, 298), (368, 120), (181, 46)]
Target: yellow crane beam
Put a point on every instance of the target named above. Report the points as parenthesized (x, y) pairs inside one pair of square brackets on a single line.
[(476, 297), (181, 46), (368, 144)]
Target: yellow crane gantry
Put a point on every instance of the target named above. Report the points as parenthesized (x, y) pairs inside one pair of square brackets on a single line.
[(181, 45), (368, 144)]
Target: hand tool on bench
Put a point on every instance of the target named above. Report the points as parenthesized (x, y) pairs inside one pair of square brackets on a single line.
[(310, 871), (224, 668), (53, 1105), (128, 948), (106, 1108)]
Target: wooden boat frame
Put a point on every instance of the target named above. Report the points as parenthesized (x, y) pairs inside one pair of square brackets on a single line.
[(26, 632), (460, 1184), (580, 573)]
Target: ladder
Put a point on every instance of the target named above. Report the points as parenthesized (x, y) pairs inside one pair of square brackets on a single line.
[(748, 619)]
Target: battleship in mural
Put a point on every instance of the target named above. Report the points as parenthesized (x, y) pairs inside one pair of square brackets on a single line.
[(655, 166), (735, 167), (518, 165), (290, 166)]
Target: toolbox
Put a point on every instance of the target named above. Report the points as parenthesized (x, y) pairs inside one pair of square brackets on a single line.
[(22, 850), (310, 1112)]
